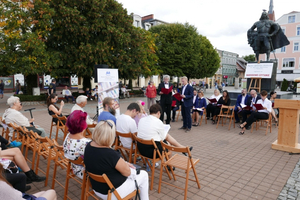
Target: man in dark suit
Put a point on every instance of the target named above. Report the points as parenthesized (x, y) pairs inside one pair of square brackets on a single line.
[(241, 99), (187, 104), (252, 100), (165, 98)]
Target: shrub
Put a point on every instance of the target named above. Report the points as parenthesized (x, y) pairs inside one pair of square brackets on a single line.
[(24, 97), (284, 85)]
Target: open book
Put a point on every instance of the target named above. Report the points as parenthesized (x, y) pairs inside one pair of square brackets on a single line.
[(245, 107), (167, 127), (198, 109), (214, 100), (258, 106)]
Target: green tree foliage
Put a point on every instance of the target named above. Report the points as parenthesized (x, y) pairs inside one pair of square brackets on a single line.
[(22, 49), (249, 58), (85, 33), (284, 85), (182, 51)]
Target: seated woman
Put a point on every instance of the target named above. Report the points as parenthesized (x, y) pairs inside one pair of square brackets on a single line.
[(156, 132), (175, 104), (14, 154), (8, 192), (75, 142), (52, 108), (100, 158), (211, 105), (275, 111), (200, 103), (225, 100), (142, 112), (260, 114)]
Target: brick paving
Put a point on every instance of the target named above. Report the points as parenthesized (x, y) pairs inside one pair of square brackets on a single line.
[(231, 166)]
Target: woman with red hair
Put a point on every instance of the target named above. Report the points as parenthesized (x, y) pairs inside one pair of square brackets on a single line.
[(75, 142)]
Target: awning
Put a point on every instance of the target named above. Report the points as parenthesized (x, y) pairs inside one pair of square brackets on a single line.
[(288, 77)]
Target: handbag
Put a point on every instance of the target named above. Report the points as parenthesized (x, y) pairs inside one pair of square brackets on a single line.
[(9, 166)]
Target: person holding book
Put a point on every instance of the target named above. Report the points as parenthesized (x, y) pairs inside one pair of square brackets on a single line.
[(252, 100), (175, 104), (224, 100), (199, 105), (263, 108), (241, 103), (165, 91), (212, 102)]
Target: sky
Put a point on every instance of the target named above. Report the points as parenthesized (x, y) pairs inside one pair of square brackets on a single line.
[(224, 22)]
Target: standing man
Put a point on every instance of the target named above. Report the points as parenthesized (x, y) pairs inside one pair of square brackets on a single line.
[(187, 104), (165, 91), (1, 88), (52, 87), (18, 87)]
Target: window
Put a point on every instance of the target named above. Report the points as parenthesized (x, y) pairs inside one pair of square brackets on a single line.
[(283, 30), (291, 19), (298, 30), (296, 46), (288, 62), (282, 49), (137, 23)]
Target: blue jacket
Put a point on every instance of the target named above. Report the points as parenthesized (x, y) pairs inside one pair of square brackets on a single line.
[(189, 93), (199, 103), (239, 100)]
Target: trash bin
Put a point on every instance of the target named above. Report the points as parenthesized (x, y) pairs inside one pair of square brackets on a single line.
[(36, 91)]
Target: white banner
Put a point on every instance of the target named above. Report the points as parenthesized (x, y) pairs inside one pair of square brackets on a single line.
[(108, 86), (261, 70)]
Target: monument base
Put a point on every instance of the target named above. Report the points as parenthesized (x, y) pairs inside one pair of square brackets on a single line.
[(286, 148)]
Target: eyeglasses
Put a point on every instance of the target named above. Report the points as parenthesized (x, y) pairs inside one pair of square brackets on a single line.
[(109, 123), (21, 103)]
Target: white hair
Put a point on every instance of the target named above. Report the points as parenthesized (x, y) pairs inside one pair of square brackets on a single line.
[(80, 99), (12, 100), (166, 76)]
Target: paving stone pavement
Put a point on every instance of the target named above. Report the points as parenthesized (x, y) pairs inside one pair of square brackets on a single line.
[(231, 166)]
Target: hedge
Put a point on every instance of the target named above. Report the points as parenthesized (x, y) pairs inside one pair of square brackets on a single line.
[(25, 97)]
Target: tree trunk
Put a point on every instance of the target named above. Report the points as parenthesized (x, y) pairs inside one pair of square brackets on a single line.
[(31, 81), (86, 82), (130, 84)]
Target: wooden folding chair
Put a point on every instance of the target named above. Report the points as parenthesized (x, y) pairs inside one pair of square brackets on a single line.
[(226, 112), (145, 159), (112, 189), (5, 130), (203, 116), (60, 161), (59, 126), (121, 148), (71, 175), (21, 136), (178, 112), (268, 123), (185, 163), (53, 124), (88, 132)]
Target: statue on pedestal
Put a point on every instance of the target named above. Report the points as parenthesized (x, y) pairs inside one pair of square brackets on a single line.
[(267, 37)]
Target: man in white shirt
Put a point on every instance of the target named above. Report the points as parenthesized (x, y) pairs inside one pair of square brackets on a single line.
[(68, 94), (151, 127), (126, 123), (125, 92), (81, 101)]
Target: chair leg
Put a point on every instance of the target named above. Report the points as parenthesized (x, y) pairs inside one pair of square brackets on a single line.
[(152, 175), (196, 177), (48, 169), (51, 130), (218, 122), (160, 177), (37, 163), (67, 183), (186, 184), (54, 176)]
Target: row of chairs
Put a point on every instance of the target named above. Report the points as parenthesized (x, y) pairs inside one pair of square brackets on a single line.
[(185, 163)]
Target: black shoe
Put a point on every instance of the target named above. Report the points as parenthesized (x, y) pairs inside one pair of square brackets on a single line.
[(27, 187), (237, 122), (248, 128), (187, 130), (191, 148), (33, 177), (182, 128), (173, 120), (168, 167), (241, 133)]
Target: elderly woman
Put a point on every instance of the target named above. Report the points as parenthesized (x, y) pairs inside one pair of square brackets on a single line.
[(13, 115), (75, 142), (211, 105), (151, 94), (52, 108), (100, 158), (260, 114)]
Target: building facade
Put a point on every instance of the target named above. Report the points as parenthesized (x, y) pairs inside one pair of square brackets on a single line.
[(288, 57), (228, 66)]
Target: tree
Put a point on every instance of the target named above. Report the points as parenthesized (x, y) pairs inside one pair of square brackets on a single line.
[(182, 51), (284, 85), (85, 33), (249, 58), (22, 48)]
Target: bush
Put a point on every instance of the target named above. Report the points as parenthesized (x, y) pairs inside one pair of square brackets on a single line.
[(284, 85), (135, 92), (24, 97)]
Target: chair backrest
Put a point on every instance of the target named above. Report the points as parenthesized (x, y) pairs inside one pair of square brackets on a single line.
[(125, 135), (227, 110), (176, 149), (147, 142), (102, 179)]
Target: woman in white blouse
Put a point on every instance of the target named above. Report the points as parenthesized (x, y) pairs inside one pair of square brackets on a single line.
[(260, 114), (210, 106)]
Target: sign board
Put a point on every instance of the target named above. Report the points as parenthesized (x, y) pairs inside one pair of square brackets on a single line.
[(8, 82), (108, 86), (259, 70)]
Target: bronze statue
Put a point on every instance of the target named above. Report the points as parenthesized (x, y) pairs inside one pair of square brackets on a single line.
[(267, 37)]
